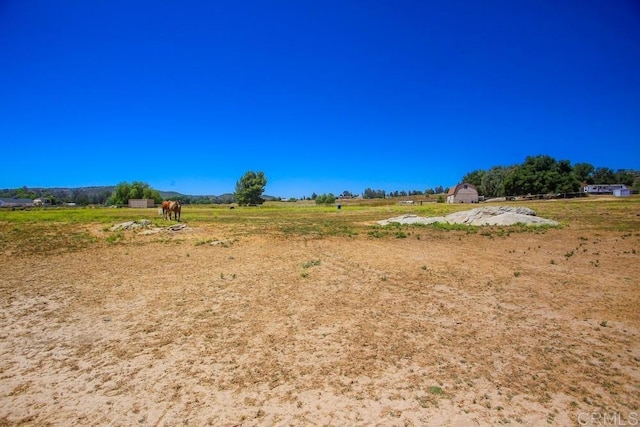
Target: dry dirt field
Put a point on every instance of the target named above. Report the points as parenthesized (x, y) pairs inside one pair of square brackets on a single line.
[(439, 327)]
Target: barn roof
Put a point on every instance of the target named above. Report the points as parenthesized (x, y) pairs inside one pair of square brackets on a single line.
[(453, 190), (15, 202)]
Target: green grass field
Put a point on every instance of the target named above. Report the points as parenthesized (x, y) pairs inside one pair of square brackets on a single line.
[(46, 230)]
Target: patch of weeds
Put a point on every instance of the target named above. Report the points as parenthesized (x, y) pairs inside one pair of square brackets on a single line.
[(401, 234), (424, 267), (310, 264), (377, 233), (596, 263), (116, 237), (603, 323), (470, 229), (423, 401), (569, 254), (552, 262), (516, 274), (551, 418), (307, 265), (434, 389)]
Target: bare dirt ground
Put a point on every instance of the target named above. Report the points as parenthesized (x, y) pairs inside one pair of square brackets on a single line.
[(439, 328)]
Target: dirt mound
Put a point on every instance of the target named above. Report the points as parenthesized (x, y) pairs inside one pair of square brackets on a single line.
[(489, 215)]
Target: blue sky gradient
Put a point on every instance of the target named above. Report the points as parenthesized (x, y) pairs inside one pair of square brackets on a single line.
[(321, 96)]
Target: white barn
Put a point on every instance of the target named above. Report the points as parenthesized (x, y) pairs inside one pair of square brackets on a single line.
[(463, 193)]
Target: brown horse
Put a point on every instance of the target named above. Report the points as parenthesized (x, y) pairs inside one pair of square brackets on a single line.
[(175, 208), (165, 208), (171, 208)]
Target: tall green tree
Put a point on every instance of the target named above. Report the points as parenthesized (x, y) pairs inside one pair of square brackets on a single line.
[(584, 172), (541, 175), (625, 177), (475, 178), (604, 176), (249, 188), (492, 184)]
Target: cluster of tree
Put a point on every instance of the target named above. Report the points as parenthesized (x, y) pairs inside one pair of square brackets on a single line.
[(436, 190), (204, 200), (325, 199), (80, 196), (136, 190), (381, 194), (543, 175), (374, 194)]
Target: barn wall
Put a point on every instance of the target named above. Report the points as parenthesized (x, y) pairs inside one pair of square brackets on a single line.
[(141, 203), (466, 195)]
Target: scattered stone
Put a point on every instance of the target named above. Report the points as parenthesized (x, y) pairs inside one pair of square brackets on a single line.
[(145, 223), (131, 225), (177, 227)]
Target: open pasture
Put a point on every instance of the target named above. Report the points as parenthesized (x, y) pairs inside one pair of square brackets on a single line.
[(293, 314)]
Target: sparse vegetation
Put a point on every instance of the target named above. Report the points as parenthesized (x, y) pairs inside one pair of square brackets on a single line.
[(312, 303), (310, 264)]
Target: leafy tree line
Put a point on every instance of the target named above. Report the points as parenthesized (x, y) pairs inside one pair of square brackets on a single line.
[(543, 174), (79, 196), (370, 193)]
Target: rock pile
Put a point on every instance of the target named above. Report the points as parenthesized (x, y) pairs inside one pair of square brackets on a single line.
[(489, 215), (146, 224), (131, 225)]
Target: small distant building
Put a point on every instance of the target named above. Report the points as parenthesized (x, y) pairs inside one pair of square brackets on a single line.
[(463, 193), (142, 203), (42, 202), (603, 188), (15, 203), (622, 192)]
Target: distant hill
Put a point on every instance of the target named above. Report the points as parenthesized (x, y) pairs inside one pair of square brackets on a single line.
[(170, 194), (99, 194)]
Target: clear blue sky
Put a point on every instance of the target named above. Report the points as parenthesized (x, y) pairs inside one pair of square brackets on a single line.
[(322, 96)]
